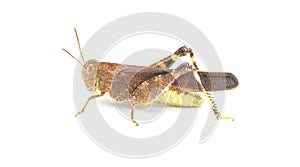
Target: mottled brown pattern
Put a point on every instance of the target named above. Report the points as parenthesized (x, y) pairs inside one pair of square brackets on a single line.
[(152, 88), (149, 90), (105, 74), (135, 75), (127, 79)]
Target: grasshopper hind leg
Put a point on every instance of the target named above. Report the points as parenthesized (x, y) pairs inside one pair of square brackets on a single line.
[(212, 103), (170, 60)]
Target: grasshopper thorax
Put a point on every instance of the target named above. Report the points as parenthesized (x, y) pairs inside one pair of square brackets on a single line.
[(89, 72)]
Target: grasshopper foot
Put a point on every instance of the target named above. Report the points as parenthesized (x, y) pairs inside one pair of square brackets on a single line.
[(80, 112), (224, 117), (136, 123)]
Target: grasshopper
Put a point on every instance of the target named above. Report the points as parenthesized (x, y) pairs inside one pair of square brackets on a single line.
[(156, 83)]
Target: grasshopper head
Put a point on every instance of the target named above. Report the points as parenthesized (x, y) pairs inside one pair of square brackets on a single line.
[(89, 68), (89, 72)]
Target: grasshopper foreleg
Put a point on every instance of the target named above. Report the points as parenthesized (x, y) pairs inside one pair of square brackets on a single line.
[(88, 100)]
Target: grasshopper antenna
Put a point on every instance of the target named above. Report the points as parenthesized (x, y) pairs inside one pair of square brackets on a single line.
[(79, 45), (79, 50), (72, 56)]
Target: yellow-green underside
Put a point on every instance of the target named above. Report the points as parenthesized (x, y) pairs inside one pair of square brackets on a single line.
[(180, 99)]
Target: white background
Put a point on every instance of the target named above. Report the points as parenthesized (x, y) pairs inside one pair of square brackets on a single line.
[(257, 40)]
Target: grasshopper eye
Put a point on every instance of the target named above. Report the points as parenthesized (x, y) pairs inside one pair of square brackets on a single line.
[(90, 69)]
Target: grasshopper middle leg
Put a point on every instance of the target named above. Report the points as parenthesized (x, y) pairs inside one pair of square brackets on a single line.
[(150, 90), (132, 111)]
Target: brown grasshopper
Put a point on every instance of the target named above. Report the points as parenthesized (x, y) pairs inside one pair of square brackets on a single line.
[(155, 83)]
